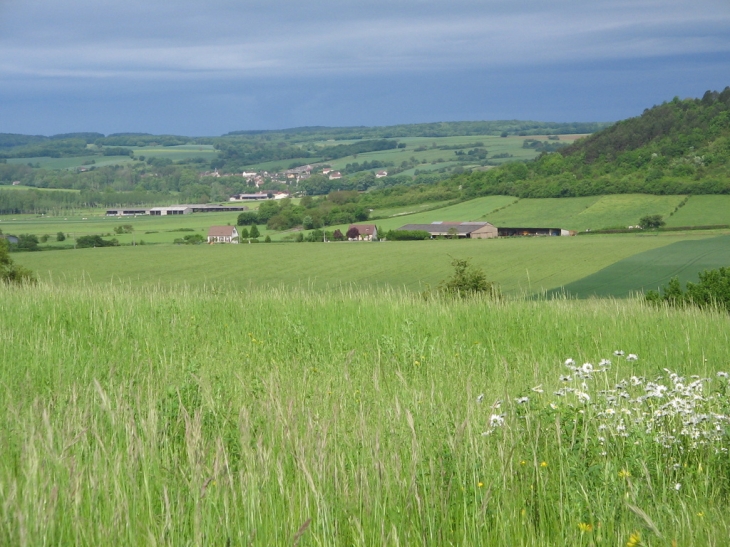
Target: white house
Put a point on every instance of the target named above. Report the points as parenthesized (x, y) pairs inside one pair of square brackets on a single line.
[(222, 234)]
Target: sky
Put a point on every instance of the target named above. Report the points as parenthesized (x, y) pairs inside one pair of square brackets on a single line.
[(206, 68)]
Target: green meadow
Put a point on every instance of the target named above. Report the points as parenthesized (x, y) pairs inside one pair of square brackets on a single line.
[(138, 415), (703, 211), (529, 265)]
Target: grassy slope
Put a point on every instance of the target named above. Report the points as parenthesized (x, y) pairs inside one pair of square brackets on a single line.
[(652, 269), (193, 418), (516, 264), (702, 210), (584, 213)]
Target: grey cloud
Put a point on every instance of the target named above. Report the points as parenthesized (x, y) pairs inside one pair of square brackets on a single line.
[(224, 38)]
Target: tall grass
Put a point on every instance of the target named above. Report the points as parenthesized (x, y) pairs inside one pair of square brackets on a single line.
[(199, 417)]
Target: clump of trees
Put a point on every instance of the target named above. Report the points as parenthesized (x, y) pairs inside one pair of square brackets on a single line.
[(651, 221), (95, 241), (713, 290), (311, 213)]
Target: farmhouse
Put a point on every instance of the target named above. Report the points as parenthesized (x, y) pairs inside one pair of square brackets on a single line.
[(222, 234), (367, 232), (471, 230)]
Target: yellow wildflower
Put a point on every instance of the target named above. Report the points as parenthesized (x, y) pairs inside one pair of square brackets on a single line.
[(523, 462), (585, 527), (624, 474), (480, 484), (543, 464), (634, 540)]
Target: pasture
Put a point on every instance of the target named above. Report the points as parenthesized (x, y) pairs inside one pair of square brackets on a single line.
[(528, 265), (179, 416), (703, 211)]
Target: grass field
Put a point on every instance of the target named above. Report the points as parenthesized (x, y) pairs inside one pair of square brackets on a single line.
[(702, 210), (136, 416), (652, 269), (586, 213), (517, 265), (73, 163)]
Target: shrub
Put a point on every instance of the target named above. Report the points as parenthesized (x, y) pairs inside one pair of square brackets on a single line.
[(96, 241), (713, 289), (60, 236), (247, 219), (407, 235), (11, 272), (467, 281), (353, 233)]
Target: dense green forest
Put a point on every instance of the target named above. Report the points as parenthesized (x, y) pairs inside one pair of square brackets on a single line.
[(679, 147)]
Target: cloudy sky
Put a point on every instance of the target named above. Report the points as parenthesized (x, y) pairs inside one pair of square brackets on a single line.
[(206, 68)]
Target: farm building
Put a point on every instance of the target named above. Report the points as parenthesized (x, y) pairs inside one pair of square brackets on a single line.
[(367, 232), (222, 234), (471, 230), (175, 210), (481, 230), (251, 197), (512, 232), (128, 212)]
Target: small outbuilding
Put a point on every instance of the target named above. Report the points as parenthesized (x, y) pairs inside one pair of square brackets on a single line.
[(222, 234)]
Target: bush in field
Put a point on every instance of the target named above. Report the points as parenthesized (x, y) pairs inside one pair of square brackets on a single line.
[(60, 236), (9, 271), (466, 281), (95, 241), (191, 239), (123, 229), (712, 290), (651, 221), (247, 219), (338, 235), (26, 242), (407, 235)]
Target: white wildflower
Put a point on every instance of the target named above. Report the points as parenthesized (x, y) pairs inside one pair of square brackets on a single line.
[(604, 363), (677, 486), (721, 374), (480, 397), (538, 389), (569, 362), (522, 400), (496, 420), (618, 353), (587, 368), (565, 378), (632, 357)]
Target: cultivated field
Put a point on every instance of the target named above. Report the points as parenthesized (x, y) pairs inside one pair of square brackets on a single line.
[(148, 416), (589, 213), (518, 265), (652, 269), (702, 210)]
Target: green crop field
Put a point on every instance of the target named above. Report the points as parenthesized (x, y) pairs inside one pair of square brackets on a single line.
[(653, 269), (73, 162), (176, 153), (702, 211), (152, 416), (586, 213), (517, 265)]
